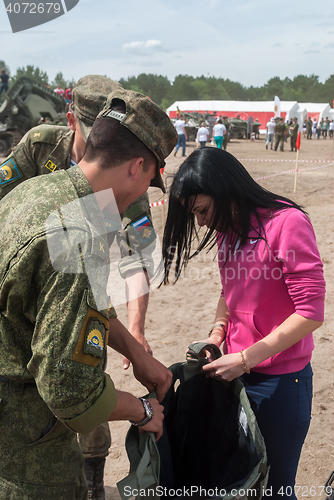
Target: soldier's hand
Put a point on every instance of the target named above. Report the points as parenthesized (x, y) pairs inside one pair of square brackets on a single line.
[(142, 340), (152, 374), (155, 425)]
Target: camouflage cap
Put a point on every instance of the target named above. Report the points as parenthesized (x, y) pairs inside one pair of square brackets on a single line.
[(147, 121), (89, 95)]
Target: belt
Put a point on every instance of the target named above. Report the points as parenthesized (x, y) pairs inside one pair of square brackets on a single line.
[(4, 380)]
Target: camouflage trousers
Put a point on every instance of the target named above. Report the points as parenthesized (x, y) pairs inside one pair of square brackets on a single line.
[(97, 442), (40, 458)]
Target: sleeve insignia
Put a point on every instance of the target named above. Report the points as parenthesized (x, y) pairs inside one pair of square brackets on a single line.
[(93, 339), (143, 228), (9, 172), (50, 166)]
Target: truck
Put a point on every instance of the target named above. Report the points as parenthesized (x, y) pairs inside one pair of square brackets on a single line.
[(27, 103)]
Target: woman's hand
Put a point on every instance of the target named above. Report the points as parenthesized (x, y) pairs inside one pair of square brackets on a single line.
[(227, 367)]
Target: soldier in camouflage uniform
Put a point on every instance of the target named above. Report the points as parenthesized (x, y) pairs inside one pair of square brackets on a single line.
[(309, 125), (53, 333), (280, 133), (293, 134), (227, 135), (48, 148)]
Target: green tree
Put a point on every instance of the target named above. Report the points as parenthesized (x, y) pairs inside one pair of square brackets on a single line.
[(60, 80), (4, 65), (155, 86), (327, 91), (30, 71)]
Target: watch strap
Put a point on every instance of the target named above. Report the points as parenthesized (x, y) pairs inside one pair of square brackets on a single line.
[(149, 411)]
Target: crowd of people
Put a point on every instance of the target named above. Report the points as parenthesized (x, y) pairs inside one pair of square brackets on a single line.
[(67, 195), (280, 131)]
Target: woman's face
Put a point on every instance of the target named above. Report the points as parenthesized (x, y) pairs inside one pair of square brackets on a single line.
[(202, 206)]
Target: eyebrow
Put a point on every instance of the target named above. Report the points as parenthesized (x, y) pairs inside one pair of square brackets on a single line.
[(196, 208)]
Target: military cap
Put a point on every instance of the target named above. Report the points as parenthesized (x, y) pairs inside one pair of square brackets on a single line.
[(148, 122), (89, 95)]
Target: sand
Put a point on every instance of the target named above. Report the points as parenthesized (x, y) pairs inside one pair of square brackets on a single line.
[(181, 313)]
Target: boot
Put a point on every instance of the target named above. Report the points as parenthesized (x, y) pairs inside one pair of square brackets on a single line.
[(94, 469)]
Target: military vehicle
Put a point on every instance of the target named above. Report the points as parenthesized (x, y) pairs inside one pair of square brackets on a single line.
[(26, 104), (237, 130)]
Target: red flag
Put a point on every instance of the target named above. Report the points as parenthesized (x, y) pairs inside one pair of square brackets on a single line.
[(298, 141)]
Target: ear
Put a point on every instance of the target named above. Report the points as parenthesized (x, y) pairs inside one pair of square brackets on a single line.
[(136, 167), (71, 120)]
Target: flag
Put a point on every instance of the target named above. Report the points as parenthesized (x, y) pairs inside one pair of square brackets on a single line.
[(298, 141), (277, 106)]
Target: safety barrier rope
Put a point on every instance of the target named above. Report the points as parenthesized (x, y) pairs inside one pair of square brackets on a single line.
[(280, 160), (162, 202)]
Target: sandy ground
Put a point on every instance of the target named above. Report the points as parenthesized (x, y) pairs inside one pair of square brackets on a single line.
[(181, 313)]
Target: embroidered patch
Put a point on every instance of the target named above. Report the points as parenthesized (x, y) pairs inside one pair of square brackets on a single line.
[(95, 338), (144, 228), (50, 166), (9, 172), (92, 340)]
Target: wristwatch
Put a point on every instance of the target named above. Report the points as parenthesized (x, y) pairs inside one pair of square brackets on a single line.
[(149, 413)]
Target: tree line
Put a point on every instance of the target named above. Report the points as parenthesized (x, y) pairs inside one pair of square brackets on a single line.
[(301, 88)]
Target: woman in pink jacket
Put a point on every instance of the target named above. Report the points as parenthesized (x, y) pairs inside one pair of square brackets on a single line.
[(272, 295)]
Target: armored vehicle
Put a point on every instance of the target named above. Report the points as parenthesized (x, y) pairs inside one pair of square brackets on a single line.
[(26, 104), (239, 130)]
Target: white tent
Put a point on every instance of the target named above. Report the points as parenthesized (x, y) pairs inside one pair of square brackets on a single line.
[(316, 110)]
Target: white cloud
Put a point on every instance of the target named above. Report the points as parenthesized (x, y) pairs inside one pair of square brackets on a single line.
[(145, 48)]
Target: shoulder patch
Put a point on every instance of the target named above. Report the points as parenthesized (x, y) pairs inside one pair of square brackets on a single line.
[(9, 172), (144, 228), (92, 340), (42, 133)]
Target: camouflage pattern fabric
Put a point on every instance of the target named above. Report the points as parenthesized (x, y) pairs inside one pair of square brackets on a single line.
[(48, 148), (52, 381), (147, 121), (45, 149), (96, 443), (42, 150), (89, 96)]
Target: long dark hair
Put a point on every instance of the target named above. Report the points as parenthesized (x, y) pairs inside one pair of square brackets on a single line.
[(235, 194)]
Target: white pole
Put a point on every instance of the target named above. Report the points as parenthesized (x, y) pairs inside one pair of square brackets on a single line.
[(296, 172)]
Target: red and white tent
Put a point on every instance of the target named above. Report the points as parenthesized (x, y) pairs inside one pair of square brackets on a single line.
[(260, 110), (317, 110)]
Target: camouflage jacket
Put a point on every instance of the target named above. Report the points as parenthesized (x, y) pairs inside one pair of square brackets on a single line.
[(45, 149), (294, 130), (53, 337), (280, 128)]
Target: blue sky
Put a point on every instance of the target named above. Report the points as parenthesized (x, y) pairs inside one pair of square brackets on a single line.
[(248, 41)]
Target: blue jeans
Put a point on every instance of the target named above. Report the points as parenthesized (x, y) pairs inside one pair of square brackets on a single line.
[(270, 138), (181, 142), (3, 86), (282, 405)]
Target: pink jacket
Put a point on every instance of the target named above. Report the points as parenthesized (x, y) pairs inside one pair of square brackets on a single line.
[(264, 283)]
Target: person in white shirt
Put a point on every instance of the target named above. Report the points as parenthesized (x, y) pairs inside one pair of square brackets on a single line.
[(314, 128), (271, 127), (202, 135), (219, 130), (180, 129), (331, 129)]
